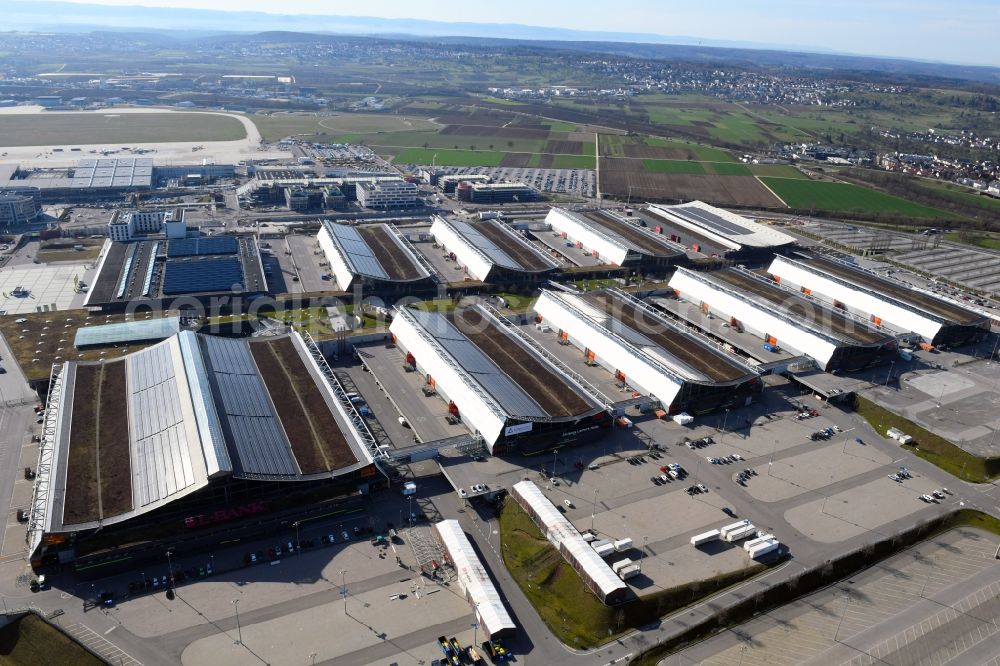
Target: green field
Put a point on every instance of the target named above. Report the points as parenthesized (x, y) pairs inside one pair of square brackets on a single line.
[(844, 197), (69, 129), (729, 168), (672, 166), (445, 157), (776, 171), (339, 128), (572, 162)]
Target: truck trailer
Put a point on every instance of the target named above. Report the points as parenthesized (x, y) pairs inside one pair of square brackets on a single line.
[(763, 538), (740, 534), (705, 537), (763, 549)]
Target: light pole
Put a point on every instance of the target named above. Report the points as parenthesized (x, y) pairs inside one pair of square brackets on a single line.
[(475, 633), (343, 587), (593, 512), (847, 600), (170, 566), (889, 376), (724, 420), (239, 629), (298, 544)]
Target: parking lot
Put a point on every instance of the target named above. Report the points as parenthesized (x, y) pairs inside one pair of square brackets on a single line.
[(933, 604), (574, 182)]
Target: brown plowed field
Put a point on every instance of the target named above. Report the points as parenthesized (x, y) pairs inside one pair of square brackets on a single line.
[(521, 255), (642, 151), (724, 190), (551, 393), (388, 253), (316, 439), (495, 131), (699, 357), (801, 308), (516, 160), (632, 234), (545, 161), (564, 147)]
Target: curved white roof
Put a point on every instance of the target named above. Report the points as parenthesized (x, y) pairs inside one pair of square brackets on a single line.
[(729, 228)]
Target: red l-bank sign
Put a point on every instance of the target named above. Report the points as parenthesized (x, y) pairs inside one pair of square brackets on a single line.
[(225, 515)]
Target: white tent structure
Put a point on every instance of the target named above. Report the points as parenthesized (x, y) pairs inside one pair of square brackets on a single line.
[(474, 580), (597, 575)]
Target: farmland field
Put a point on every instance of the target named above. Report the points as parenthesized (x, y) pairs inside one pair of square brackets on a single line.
[(623, 178), (444, 157), (776, 170), (823, 195), (52, 129), (672, 166), (337, 128)]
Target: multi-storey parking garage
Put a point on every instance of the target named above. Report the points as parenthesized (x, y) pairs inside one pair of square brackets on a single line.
[(649, 352), (832, 338), (492, 252), (495, 382), (615, 239), (883, 300), (187, 437), (374, 257)]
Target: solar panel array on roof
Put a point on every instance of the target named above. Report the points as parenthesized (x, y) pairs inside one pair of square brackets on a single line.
[(202, 276), (244, 404), (356, 250), (191, 247), (162, 451), (485, 245), (130, 331), (710, 220), (473, 361)]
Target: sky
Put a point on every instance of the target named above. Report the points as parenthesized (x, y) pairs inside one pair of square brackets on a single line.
[(957, 31)]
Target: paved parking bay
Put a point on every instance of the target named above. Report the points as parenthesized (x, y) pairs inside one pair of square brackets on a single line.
[(934, 604), (860, 508), (426, 415), (824, 465), (309, 265), (42, 286), (554, 242)]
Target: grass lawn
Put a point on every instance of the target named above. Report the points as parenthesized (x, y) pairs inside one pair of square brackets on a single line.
[(573, 162), (571, 611), (559, 125), (845, 197), (672, 166), (932, 448), (29, 641), (445, 157), (53, 129), (501, 100)]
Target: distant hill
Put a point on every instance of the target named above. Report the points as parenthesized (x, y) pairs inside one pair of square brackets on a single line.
[(195, 23)]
